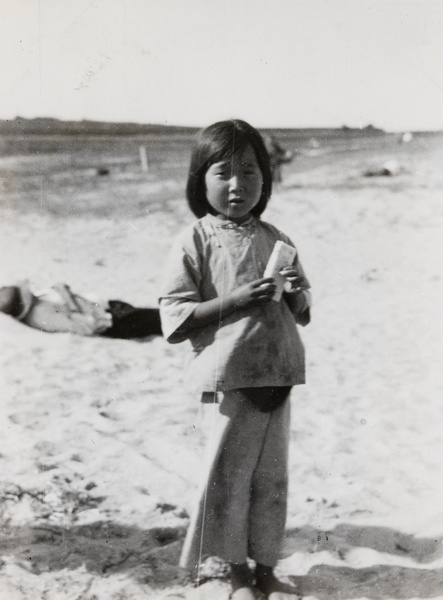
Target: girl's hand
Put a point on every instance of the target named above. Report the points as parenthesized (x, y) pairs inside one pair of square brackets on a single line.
[(254, 293), (294, 282)]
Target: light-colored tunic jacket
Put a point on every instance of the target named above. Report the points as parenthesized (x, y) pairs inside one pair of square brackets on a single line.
[(251, 347)]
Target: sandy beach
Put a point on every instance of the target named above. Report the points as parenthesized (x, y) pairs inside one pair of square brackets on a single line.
[(100, 447)]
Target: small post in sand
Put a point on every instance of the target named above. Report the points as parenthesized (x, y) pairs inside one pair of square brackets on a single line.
[(144, 159)]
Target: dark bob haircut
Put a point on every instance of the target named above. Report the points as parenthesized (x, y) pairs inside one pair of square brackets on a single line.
[(218, 142)]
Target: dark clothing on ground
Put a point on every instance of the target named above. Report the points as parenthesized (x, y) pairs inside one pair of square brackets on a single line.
[(131, 322)]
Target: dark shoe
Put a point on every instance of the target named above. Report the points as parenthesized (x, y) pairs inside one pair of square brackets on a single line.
[(271, 587)]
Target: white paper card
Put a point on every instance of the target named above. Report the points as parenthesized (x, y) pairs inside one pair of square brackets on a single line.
[(283, 255)]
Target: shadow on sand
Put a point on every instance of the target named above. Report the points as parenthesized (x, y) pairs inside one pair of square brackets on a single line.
[(151, 556), (379, 581)]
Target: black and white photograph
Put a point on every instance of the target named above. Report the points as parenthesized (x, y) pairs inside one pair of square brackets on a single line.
[(221, 292)]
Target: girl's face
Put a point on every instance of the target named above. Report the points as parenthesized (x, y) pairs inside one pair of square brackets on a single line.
[(234, 186)]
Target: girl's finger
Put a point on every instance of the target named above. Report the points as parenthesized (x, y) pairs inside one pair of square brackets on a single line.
[(262, 281), (265, 293), (265, 287)]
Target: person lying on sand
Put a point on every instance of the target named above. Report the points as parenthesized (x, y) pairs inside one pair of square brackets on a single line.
[(59, 310)]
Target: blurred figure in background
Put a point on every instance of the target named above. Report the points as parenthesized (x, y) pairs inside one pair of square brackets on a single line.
[(59, 310), (278, 156)]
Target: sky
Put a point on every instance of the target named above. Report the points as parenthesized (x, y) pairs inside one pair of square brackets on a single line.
[(274, 63)]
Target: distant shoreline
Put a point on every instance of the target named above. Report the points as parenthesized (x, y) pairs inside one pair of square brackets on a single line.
[(50, 126)]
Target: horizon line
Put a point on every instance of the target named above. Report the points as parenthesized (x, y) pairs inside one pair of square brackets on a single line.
[(369, 126)]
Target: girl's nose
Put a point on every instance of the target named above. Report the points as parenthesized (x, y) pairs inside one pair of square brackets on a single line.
[(235, 182)]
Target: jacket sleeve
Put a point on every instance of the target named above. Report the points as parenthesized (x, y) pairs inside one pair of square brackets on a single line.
[(300, 304), (180, 292)]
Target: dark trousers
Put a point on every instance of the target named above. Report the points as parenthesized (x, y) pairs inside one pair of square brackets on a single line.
[(130, 322)]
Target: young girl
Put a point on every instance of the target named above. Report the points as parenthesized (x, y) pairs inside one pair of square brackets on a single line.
[(247, 354)]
